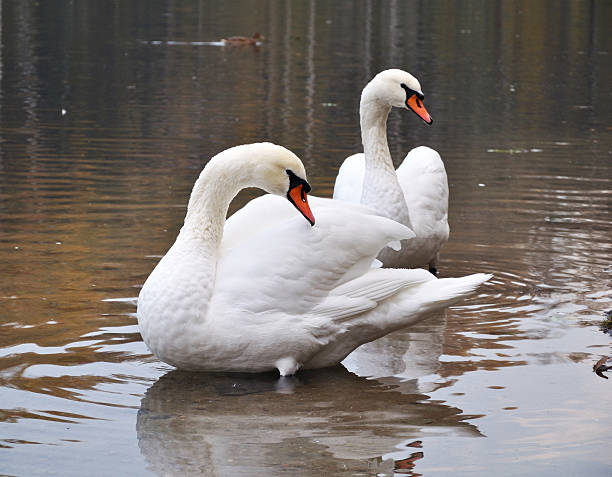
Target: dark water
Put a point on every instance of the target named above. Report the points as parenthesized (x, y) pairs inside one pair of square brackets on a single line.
[(109, 110)]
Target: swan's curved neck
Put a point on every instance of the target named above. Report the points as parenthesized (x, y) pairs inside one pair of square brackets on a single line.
[(381, 188), (218, 184)]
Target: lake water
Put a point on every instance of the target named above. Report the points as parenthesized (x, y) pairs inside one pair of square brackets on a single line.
[(109, 110)]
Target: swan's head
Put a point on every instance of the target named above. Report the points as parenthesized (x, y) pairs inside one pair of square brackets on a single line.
[(278, 171), (399, 89)]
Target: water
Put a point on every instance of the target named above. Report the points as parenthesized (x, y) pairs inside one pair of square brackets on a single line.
[(108, 111)]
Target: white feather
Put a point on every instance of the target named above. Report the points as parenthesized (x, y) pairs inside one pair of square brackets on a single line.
[(267, 290), (415, 195)]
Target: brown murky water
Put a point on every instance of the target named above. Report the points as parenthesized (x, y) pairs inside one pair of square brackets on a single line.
[(108, 111)]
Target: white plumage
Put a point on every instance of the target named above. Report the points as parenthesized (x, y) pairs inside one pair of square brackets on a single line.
[(265, 290), (415, 195)]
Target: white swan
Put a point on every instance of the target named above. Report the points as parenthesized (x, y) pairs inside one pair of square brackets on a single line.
[(283, 295), (415, 195)]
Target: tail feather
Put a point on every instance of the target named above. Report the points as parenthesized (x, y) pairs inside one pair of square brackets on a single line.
[(407, 307), (448, 291), (414, 304)]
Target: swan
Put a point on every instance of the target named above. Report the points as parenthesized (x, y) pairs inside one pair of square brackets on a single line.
[(285, 295), (415, 195)]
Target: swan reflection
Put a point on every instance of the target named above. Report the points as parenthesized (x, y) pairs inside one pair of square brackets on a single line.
[(323, 422), (406, 354)]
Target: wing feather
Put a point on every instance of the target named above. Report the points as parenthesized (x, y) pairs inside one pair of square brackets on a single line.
[(349, 181), (301, 283)]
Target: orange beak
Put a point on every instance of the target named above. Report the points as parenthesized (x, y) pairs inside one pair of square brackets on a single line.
[(417, 106), (297, 196)]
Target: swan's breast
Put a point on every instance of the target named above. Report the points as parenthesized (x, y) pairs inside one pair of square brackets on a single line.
[(173, 302)]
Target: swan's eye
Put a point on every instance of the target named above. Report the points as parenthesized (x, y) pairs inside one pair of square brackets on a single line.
[(411, 92), (294, 180)]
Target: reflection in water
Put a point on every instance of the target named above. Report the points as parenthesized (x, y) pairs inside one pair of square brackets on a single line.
[(408, 354), (325, 422)]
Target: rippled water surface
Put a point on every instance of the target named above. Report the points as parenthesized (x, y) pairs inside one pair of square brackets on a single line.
[(109, 110)]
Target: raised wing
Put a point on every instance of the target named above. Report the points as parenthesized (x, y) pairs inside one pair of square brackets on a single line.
[(302, 264), (349, 182), (422, 177)]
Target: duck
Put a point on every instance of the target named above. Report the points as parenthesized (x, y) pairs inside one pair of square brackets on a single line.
[(251, 295), (256, 39), (416, 194)]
